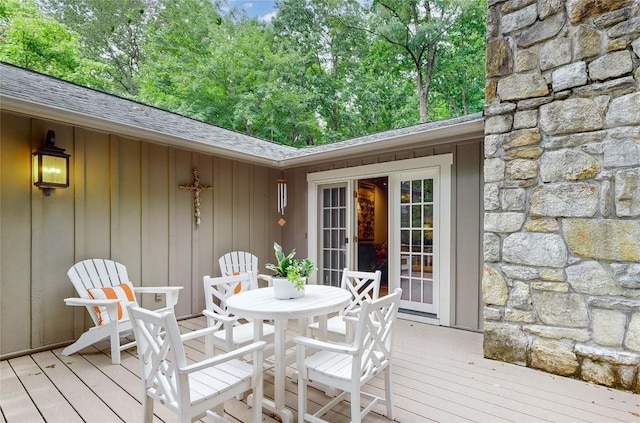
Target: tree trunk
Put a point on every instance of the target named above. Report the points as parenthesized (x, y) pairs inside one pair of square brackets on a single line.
[(422, 95)]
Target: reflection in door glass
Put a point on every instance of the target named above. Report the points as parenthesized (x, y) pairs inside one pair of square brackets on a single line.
[(405, 192)]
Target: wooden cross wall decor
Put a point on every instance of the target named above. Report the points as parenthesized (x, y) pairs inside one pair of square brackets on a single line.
[(197, 189)]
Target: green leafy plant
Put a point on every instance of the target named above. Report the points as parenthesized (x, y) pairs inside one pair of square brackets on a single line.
[(295, 270)]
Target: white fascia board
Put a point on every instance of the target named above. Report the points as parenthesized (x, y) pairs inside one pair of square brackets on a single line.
[(470, 130)]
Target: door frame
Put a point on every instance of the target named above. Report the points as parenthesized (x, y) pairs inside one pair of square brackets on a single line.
[(443, 163)]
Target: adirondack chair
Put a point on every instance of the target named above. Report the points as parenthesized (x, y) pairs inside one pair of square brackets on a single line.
[(362, 286), (229, 333), (191, 390), (347, 367), (236, 262), (104, 288)]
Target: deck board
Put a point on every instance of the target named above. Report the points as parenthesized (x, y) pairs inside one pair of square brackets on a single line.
[(86, 404), (44, 394), (439, 375), (14, 399)]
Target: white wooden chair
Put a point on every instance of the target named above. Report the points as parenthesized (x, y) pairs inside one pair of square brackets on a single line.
[(362, 286), (191, 390), (104, 288), (347, 367), (237, 262), (229, 333)]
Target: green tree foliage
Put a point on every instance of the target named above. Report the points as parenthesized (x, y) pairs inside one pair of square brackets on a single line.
[(355, 83), (112, 32), (459, 80), (321, 70), (30, 39), (421, 30), (226, 72)]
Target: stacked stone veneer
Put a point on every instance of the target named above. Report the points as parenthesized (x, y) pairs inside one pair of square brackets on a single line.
[(561, 280)]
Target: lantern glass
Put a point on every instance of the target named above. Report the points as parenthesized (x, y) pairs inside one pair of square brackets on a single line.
[(54, 170), (50, 171), (36, 169)]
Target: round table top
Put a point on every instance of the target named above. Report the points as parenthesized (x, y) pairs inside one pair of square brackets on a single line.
[(260, 303)]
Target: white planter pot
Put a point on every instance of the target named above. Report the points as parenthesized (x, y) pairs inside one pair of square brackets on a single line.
[(285, 290)]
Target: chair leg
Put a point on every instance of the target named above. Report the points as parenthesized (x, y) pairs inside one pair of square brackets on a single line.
[(87, 339), (208, 346), (388, 394), (115, 348), (220, 410), (257, 403), (147, 409), (302, 398), (355, 405)]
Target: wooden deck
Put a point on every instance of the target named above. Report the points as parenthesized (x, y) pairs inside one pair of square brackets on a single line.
[(439, 376)]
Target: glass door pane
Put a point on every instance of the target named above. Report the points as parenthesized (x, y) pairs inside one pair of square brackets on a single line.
[(333, 242), (416, 204)]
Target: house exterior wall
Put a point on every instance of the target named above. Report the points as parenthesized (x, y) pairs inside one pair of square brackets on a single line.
[(123, 203), (561, 278), (466, 302)]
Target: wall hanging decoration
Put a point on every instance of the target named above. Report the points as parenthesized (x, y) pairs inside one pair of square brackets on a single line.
[(197, 189), (282, 198)]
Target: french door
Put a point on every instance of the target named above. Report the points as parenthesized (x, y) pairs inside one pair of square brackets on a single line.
[(419, 230), (417, 203)]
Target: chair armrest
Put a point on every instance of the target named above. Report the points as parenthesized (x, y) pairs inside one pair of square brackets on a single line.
[(171, 292), (215, 316), (353, 311), (327, 346), (88, 302), (197, 333), (267, 278), (156, 289), (218, 359), (110, 305), (221, 322)]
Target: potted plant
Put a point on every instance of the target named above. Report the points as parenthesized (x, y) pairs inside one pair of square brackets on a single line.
[(291, 274)]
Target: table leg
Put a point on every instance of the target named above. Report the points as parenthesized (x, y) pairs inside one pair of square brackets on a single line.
[(280, 339), (277, 406)]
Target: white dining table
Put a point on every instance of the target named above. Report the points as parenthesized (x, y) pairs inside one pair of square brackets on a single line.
[(260, 305)]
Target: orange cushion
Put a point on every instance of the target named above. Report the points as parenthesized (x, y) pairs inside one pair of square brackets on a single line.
[(122, 292), (238, 287)]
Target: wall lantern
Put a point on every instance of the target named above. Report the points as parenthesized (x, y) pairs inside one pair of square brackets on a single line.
[(50, 166)]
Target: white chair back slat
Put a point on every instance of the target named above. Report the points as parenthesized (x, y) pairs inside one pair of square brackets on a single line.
[(155, 336), (96, 273), (235, 262), (374, 332), (217, 290), (362, 285)]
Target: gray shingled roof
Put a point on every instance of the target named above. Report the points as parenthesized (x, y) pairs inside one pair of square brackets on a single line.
[(31, 93)]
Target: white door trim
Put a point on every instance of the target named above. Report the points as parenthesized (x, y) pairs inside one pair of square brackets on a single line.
[(443, 162)]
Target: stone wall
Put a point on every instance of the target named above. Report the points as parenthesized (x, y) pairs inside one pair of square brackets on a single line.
[(561, 278)]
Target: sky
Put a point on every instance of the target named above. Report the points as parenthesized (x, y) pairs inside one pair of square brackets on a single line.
[(261, 9)]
